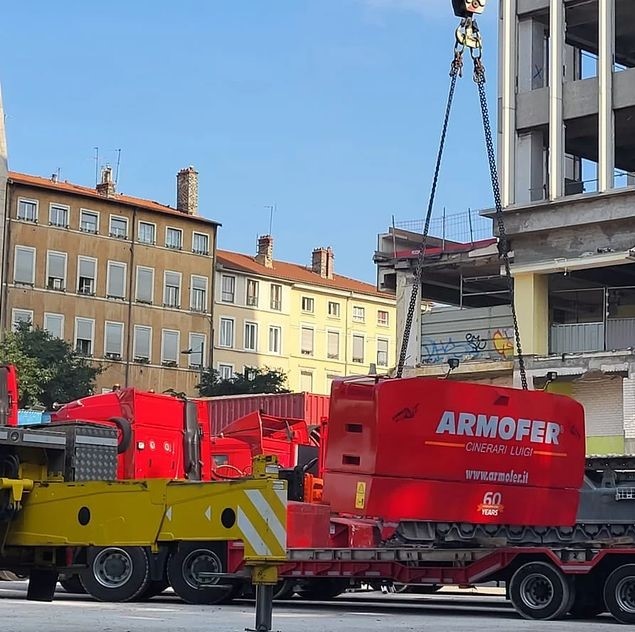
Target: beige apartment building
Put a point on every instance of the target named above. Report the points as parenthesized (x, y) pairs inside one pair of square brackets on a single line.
[(129, 282), (306, 320)]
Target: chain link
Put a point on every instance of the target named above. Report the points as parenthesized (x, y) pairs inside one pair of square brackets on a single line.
[(503, 245), (455, 71)]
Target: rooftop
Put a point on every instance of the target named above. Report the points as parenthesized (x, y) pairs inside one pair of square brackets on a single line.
[(294, 272), (117, 198)]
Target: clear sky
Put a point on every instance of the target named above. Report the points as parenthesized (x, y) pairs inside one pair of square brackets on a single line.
[(329, 109)]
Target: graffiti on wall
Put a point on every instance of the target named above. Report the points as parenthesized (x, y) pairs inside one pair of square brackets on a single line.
[(473, 345)]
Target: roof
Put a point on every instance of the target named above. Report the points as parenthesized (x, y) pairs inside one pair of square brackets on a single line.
[(118, 198), (294, 272)]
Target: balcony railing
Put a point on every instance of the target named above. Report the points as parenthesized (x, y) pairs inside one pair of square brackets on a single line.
[(614, 335)]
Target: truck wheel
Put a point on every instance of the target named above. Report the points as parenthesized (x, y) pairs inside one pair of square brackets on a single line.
[(188, 562), (619, 593), (540, 591), (323, 589), (72, 584), (116, 573), (154, 588), (284, 589)]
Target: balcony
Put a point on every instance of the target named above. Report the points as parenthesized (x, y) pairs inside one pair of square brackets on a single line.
[(612, 335)]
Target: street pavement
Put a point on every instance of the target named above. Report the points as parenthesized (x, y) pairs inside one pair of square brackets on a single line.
[(359, 612)]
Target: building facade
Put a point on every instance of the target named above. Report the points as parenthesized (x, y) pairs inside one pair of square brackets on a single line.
[(129, 282), (311, 323)]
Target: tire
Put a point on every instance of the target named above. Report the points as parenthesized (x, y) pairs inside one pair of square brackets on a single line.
[(192, 558), (125, 433), (619, 593), (284, 589), (323, 589), (73, 585), (539, 591), (588, 602), (116, 573)]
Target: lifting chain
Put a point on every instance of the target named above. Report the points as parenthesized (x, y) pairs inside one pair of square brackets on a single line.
[(467, 36)]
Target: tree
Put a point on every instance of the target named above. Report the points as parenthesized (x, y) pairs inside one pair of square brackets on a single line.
[(49, 369), (253, 380)]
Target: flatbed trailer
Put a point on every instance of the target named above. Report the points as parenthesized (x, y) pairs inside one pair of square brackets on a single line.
[(542, 582)]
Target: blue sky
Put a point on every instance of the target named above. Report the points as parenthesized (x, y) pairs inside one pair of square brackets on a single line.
[(329, 109)]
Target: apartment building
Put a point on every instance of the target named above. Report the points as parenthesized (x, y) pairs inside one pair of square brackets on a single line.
[(128, 281), (306, 320)]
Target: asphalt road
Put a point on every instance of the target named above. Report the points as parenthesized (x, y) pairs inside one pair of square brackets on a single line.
[(360, 612)]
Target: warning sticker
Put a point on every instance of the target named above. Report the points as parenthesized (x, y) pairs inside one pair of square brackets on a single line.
[(360, 495)]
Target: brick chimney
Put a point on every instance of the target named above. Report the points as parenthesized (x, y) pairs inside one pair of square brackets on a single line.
[(265, 251), (322, 262), (187, 191), (107, 185)]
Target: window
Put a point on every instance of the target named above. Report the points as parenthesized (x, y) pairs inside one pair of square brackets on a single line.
[(24, 265), (56, 270), (359, 314), (200, 243), (228, 288), (116, 280), (276, 297), (226, 333), (21, 316), (306, 345), (170, 347), (251, 336), (145, 285), (88, 222), (306, 381), (84, 336), (172, 289), (113, 337), (86, 276), (334, 309), (275, 340), (252, 293), (226, 371), (174, 238), (142, 343), (382, 352), (58, 215), (198, 298), (27, 210), (308, 304), (54, 324), (382, 318), (333, 345), (197, 348), (147, 233), (118, 227), (358, 349)]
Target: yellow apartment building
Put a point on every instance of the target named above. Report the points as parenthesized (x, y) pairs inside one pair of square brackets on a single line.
[(306, 320), (129, 282)]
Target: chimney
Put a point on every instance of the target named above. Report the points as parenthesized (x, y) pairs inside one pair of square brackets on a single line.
[(265, 251), (322, 262), (187, 191), (107, 186)]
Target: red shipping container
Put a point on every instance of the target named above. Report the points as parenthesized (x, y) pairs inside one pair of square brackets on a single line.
[(310, 407)]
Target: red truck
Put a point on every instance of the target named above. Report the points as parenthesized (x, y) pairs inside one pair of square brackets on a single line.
[(424, 481)]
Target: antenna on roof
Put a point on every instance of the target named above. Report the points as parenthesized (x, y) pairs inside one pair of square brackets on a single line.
[(272, 208), (117, 167), (96, 166)]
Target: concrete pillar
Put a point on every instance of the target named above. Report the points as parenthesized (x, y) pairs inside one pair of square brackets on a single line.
[(531, 293), (404, 292), (606, 117), (507, 90), (628, 386), (532, 55), (556, 118), (530, 167), (3, 202)]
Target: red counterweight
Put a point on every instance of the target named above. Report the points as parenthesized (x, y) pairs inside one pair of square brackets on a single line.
[(445, 451)]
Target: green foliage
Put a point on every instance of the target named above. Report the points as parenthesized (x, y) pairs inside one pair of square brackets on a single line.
[(49, 369), (253, 380)]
